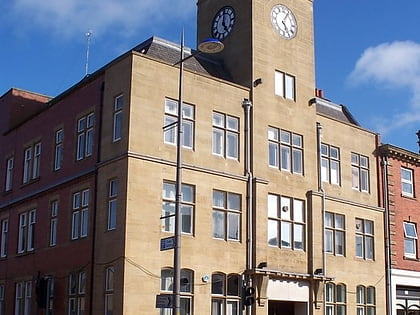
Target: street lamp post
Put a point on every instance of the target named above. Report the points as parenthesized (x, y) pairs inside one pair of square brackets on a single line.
[(209, 46)]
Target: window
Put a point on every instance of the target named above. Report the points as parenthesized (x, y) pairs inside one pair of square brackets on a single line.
[(284, 85), (85, 136), (226, 215), (225, 294), (225, 136), (364, 239), (365, 300), (360, 172), (335, 233), (187, 208), (53, 223), (335, 298), (23, 296), (58, 151), (171, 118), (410, 240), (26, 231), (118, 106), (285, 150), (109, 290), (186, 289), (286, 222), (76, 293), (330, 164), (50, 296), (9, 174), (80, 216), (2, 312), (3, 239), (112, 204), (31, 163), (407, 183)]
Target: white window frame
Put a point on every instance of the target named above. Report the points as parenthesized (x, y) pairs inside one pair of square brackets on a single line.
[(58, 150), (286, 222), (112, 204), (285, 150), (109, 290), (330, 164), (4, 231), (117, 121), (80, 215), (285, 85), (23, 296), (85, 132), (410, 239), (27, 166), (407, 182), (76, 292), (186, 289), (170, 123), (225, 294), (37, 160), (53, 223), (2, 288), (365, 239), (9, 174), (26, 231), (227, 215), (335, 233), (187, 208), (225, 140), (360, 172)]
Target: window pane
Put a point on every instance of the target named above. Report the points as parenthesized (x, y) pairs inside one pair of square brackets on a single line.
[(410, 230), (278, 79), (298, 213), (218, 142), (272, 233), (232, 123), (218, 120), (218, 199), (233, 226), (328, 241), (285, 158), (187, 193), (290, 87), (272, 206), (217, 284), (234, 201), (298, 236), (339, 243), (335, 173), (273, 154), (232, 145), (233, 285), (166, 280), (297, 161), (285, 208), (187, 129), (218, 224), (285, 136), (286, 235), (364, 180), (186, 219), (369, 247), (359, 246), (272, 134)]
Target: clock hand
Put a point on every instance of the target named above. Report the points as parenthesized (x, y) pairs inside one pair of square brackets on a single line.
[(224, 22)]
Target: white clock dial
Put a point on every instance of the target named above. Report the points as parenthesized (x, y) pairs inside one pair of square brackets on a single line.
[(284, 22), (223, 23)]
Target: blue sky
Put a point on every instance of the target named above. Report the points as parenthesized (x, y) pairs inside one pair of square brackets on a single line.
[(367, 51)]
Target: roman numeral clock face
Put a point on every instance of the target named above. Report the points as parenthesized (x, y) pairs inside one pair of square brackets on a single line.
[(283, 21), (223, 23)]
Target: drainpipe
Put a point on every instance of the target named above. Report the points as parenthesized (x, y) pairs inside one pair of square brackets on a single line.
[(384, 164), (321, 189), (247, 105), (95, 202)]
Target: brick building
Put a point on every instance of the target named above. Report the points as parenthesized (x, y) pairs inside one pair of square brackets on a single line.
[(401, 174)]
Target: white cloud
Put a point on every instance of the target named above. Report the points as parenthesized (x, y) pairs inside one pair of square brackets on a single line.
[(392, 65), (73, 17)]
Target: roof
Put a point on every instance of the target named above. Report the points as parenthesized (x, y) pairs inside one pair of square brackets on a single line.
[(170, 52), (335, 111), (398, 153)]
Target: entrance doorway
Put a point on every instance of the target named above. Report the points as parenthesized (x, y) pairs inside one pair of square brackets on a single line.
[(286, 308)]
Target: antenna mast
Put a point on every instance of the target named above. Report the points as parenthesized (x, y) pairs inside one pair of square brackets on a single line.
[(88, 35)]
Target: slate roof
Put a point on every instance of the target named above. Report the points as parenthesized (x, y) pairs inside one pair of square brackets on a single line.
[(335, 111), (170, 52)]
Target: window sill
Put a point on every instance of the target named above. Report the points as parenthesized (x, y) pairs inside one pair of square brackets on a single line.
[(408, 197), (411, 258)]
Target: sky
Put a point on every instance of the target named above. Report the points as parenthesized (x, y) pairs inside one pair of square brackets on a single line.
[(367, 52)]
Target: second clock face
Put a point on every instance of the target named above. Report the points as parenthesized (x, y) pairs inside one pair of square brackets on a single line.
[(223, 23), (284, 22)]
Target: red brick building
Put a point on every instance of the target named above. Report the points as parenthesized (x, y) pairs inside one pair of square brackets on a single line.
[(49, 153), (401, 180)]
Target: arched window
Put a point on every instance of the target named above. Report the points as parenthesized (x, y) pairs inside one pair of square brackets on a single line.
[(335, 299), (225, 291), (186, 289)]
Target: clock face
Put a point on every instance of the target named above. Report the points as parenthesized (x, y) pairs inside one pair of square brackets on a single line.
[(223, 23), (284, 22)]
